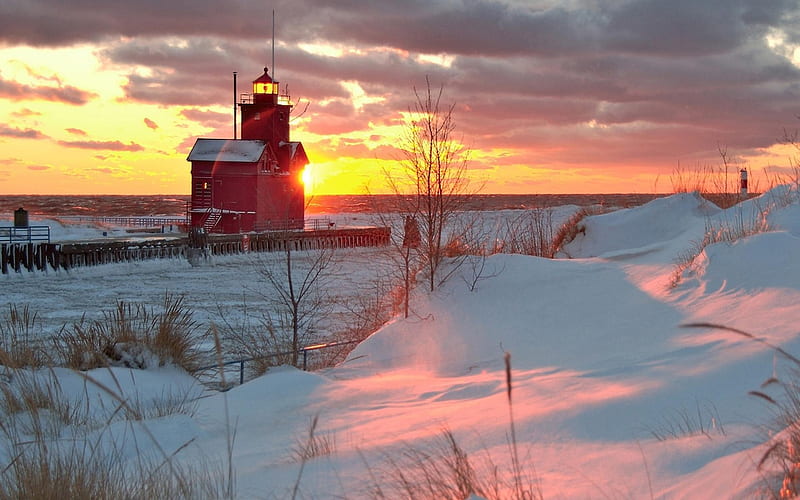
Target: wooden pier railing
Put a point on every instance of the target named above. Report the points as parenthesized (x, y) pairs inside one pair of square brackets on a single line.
[(54, 256)]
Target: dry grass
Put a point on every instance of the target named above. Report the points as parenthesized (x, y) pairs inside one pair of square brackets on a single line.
[(264, 345), (701, 421), (36, 415), (34, 404), (443, 471), (741, 223), (182, 402), (718, 184), (64, 469), (131, 335), (781, 459), (20, 334), (783, 450), (456, 246), (315, 444), (723, 232), (360, 316), (446, 471), (45, 443), (528, 234), (49, 472), (38, 399), (573, 227)]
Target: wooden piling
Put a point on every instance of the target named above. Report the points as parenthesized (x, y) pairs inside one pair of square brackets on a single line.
[(43, 256)]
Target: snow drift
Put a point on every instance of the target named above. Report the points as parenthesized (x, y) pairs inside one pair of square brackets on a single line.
[(613, 397)]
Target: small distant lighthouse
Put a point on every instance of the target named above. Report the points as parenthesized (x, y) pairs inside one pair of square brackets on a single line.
[(743, 183), (253, 183)]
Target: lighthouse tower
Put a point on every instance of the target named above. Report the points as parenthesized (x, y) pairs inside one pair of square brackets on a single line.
[(253, 183), (265, 112)]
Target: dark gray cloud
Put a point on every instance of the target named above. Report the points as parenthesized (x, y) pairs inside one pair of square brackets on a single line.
[(617, 80), (677, 27), (465, 27), (55, 22)]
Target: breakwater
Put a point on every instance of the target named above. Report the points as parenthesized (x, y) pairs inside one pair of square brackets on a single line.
[(18, 257)]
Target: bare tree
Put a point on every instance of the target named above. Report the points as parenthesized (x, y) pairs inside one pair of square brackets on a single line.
[(792, 138), (402, 258), (298, 282), (433, 185)]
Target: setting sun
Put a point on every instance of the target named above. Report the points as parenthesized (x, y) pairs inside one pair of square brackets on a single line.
[(307, 179)]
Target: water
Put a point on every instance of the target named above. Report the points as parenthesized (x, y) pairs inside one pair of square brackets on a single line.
[(177, 205), (95, 205)]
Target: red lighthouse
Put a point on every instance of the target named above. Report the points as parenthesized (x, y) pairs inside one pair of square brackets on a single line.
[(253, 183)]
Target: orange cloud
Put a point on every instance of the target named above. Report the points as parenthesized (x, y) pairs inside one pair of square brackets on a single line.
[(25, 112), (109, 145), (20, 133), (66, 94)]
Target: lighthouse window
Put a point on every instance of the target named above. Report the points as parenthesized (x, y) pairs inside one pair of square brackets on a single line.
[(257, 116)]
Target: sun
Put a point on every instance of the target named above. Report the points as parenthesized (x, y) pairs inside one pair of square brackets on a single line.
[(307, 178)]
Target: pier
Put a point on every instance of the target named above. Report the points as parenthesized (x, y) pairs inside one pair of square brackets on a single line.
[(34, 256)]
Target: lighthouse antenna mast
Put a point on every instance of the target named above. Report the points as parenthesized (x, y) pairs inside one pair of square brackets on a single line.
[(273, 46), (235, 91)]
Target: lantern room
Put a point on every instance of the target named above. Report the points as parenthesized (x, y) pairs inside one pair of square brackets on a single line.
[(265, 112), (265, 89)]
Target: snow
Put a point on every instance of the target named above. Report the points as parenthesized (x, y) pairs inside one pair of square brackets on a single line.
[(667, 223), (601, 364), (222, 150)]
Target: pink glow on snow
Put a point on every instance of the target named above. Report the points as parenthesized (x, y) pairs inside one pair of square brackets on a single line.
[(601, 364)]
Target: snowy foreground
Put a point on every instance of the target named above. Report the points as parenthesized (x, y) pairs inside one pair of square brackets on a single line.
[(613, 398)]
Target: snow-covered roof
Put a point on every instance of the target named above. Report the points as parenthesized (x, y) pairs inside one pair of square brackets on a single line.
[(294, 147), (239, 150)]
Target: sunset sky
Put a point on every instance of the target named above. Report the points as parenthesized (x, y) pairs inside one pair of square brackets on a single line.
[(552, 96)]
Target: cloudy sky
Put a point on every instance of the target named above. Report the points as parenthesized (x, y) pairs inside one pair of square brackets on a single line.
[(106, 96)]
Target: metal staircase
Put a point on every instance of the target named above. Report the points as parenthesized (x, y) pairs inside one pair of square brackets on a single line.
[(212, 219)]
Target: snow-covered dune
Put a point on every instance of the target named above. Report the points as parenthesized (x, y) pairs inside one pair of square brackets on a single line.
[(602, 361), (613, 397), (662, 224)]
